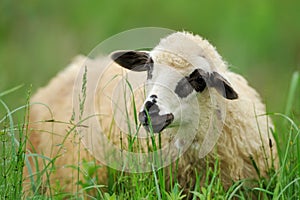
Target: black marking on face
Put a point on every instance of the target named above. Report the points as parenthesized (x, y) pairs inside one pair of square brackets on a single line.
[(151, 119), (199, 79), (151, 108), (153, 96), (183, 88), (195, 81)]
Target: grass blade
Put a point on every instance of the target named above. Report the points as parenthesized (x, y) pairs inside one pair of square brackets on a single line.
[(10, 90), (292, 93)]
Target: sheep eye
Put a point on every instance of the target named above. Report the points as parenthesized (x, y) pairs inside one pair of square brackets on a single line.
[(186, 85), (197, 80)]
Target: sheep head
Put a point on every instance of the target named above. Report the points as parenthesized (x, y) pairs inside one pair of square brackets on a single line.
[(179, 68)]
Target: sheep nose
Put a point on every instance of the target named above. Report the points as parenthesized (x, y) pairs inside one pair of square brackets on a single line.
[(150, 109), (152, 120)]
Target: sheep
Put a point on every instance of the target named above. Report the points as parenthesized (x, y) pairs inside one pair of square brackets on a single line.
[(202, 111)]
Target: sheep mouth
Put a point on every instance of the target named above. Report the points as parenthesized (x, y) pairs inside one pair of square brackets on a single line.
[(155, 122)]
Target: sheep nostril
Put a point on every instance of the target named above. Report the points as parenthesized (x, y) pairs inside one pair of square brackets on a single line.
[(151, 108), (152, 120), (148, 105)]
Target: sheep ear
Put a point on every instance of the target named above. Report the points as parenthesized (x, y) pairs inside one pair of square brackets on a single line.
[(222, 86), (133, 60)]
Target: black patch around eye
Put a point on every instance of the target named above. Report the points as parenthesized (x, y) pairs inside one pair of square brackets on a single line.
[(187, 84), (197, 81), (183, 88)]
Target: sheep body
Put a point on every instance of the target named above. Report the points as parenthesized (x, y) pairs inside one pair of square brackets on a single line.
[(245, 135)]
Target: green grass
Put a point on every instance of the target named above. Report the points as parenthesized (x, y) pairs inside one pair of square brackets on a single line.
[(283, 184), (12, 150)]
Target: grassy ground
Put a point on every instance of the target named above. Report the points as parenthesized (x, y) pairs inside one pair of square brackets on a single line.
[(283, 184)]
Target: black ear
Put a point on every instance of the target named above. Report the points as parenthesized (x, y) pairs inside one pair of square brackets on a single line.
[(222, 86), (133, 60)]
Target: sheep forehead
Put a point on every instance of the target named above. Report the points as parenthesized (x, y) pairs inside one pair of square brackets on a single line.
[(175, 62), (182, 49)]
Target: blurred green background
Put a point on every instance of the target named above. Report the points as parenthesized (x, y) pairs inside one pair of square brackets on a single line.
[(259, 39)]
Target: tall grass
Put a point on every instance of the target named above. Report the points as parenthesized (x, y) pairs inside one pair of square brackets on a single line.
[(283, 184), (12, 149), (288, 184)]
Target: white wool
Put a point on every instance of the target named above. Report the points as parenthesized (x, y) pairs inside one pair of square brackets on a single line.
[(182, 49)]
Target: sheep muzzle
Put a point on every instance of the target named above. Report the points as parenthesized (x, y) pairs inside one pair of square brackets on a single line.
[(155, 122), (152, 120)]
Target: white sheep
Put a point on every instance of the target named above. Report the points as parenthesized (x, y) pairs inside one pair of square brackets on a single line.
[(190, 96)]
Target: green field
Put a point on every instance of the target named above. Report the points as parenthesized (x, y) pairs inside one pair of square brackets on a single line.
[(259, 39)]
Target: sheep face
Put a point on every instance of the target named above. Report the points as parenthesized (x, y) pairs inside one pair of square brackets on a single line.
[(174, 82), (171, 89)]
